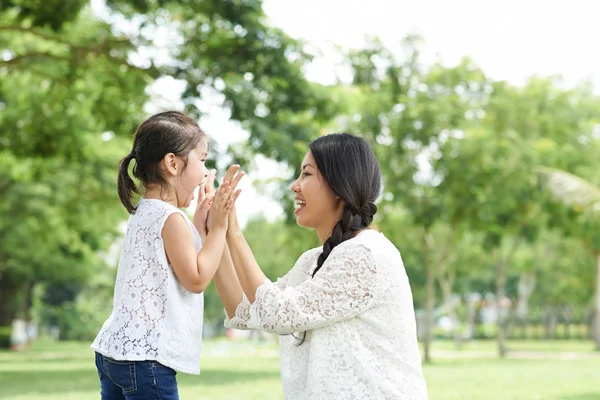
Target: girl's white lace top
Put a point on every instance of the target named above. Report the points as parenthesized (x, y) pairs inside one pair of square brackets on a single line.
[(153, 317), (361, 340)]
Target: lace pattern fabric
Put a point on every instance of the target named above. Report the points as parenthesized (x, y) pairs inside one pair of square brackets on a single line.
[(358, 314), (154, 317)]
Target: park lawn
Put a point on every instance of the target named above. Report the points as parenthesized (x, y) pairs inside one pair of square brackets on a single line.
[(490, 346), (66, 371)]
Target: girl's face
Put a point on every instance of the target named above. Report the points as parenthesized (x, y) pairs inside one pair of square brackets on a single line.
[(317, 206), (192, 175)]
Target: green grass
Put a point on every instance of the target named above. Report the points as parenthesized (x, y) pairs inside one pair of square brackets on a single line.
[(489, 346), (237, 370)]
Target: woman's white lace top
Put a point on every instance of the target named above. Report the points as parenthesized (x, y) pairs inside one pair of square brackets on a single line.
[(153, 317), (361, 340)]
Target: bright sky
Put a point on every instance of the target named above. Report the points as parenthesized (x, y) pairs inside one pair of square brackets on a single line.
[(509, 39)]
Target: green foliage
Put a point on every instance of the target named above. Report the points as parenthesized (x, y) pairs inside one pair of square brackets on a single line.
[(460, 153), (5, 332), (73, 88)]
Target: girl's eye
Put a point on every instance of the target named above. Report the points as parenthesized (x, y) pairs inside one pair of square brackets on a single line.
[(304, 174)]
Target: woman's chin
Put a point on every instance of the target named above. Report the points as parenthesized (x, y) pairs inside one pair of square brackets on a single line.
[(302, 222)]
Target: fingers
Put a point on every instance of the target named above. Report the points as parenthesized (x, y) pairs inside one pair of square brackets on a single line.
[(210, 181), (204, 204), (237, 179), (229, 204), (231, 173), (225, 186), (223, 193), (236, 194), (201, 195)]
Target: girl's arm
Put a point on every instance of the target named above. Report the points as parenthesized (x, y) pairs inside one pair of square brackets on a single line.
[(196, 270)]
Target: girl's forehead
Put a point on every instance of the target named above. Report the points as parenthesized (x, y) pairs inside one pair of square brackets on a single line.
[(202, 146)]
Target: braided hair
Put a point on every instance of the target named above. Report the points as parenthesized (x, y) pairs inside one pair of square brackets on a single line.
[(348, 165)]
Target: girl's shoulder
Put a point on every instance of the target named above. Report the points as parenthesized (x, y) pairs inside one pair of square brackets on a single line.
[(153, 213)]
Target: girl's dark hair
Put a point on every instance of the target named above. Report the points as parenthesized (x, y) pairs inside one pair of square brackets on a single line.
[(348, 165), (159, 135)]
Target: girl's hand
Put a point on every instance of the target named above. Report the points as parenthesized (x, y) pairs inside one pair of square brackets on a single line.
[(222, 203), (206, 194)]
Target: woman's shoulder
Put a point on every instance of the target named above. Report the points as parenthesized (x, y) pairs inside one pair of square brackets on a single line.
[(309, 255), (368, 241)]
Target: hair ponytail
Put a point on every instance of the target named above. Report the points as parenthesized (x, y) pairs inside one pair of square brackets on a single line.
[(125, 185)]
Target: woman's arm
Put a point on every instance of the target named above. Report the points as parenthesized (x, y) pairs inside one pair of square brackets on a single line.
[(341, 290), (249, 274), (228, 285)]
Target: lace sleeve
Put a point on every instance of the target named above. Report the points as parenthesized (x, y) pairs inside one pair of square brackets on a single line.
[(241, 320), (342, 289)]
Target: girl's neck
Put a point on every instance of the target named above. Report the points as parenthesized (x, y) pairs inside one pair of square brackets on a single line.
[(161, 194)]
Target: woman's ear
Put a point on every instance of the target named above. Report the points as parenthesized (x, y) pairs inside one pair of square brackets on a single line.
[(341, 205)]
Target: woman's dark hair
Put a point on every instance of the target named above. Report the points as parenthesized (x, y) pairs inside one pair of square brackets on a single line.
[(348, 165), (159, 135)]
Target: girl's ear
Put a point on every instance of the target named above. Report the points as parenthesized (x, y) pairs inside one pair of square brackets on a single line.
[(169, 164)]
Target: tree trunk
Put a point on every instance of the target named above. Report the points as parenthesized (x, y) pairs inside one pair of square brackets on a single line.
[(566, 313), (501, 263), (525, 288), (500, 282), (429, 303), (596, 325), (472, 300), (447, 292), (8, 293), (550, 322), (28, 301)]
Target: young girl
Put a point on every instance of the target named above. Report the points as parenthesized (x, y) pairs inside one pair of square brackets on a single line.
[(344, 311), (166, 262)]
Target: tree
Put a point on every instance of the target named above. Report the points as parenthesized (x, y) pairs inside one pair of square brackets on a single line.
[(409, 111), (72, 90), (584, 196)]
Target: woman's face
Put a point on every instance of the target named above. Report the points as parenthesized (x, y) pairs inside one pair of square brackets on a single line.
[(316, 205)]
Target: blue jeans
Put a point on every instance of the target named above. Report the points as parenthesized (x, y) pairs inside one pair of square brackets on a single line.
[(135, 380)]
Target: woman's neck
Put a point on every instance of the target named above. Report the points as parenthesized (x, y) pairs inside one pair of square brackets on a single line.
[(324, 235)]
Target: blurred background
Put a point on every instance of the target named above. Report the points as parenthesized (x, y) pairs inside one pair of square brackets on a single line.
[(485, 117)]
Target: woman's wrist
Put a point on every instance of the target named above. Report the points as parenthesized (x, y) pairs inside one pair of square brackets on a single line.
[(232, 234)]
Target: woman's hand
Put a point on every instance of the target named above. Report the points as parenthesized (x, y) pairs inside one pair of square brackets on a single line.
[(233, 226), (227, 189)]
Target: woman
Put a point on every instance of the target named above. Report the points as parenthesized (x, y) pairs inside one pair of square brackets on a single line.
[(344, 311)]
